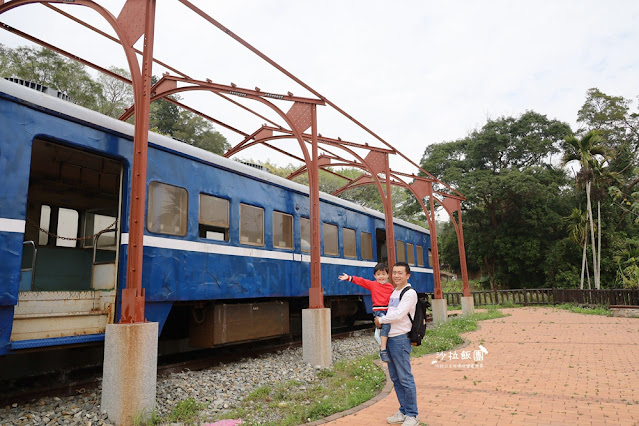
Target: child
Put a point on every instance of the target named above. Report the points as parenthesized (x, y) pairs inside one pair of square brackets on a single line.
[(380, 290)]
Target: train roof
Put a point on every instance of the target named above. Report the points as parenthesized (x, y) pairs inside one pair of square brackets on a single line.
[(96, 119)]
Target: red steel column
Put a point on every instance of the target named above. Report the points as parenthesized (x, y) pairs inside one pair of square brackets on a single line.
[(315, 293), (433, 245), (133, 294), (462, 254), (388, 217)]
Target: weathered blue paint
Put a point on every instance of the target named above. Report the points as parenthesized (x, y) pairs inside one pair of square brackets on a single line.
[(157, 312), (56, 341), (219, 277), (15, 156), (6, 319), (368, 303), (10, 257)]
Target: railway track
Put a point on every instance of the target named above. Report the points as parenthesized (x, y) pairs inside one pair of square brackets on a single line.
[(73, 381)]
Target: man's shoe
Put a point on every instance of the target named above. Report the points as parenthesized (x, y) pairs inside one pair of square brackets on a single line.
[(383, 355), (410, 421), (396, 418)]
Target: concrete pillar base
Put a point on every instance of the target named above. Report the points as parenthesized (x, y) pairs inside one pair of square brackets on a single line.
[(468, 305), (130, 372), (316, 337), (440, 311)]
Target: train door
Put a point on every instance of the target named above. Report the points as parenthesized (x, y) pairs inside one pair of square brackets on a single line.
[(382, 253), (71, 246)]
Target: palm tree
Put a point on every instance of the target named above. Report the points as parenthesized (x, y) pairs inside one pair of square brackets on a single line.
[(603, 178), (578, 222), (585, 151)]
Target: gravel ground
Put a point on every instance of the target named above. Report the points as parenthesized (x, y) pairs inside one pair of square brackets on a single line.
[(221, 388)]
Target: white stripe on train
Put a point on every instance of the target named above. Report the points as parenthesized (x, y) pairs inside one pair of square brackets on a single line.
[(15, 225), (12, 225), (170, 243)]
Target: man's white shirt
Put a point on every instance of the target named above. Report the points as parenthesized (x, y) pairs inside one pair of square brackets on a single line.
[(397, 315)]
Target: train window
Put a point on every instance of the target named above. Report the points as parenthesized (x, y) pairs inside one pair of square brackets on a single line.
[(45, 219), (330, 240), (305, 234), (67, 227), (430, 258), (401, 251), (214, 218), (251, 225), (366, 241), (282, 230), (95, 224), (420, 256), (168, 209), (410, 254), (350, 246)]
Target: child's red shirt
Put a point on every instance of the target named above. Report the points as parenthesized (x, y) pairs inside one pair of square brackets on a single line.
[(379, 292)]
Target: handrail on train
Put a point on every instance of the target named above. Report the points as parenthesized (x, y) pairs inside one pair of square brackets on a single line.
[(95, 245), (33, 261)]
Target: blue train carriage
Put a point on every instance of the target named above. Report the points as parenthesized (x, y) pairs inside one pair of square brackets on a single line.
[(226, 252)]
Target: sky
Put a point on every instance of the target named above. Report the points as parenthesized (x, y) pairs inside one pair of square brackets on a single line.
[(414, 72)]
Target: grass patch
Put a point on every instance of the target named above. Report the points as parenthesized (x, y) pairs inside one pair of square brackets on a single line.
[(141, 419), (597, 310), (185, 412), (502, 305), (345, 385), (509, 304)]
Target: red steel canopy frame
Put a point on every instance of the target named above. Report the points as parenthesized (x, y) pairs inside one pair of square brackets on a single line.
[(299, 118)]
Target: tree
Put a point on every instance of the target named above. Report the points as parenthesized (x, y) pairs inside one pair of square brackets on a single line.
[(168, 119), (629, 203), (164, 117), (199, 132), (615, 181), (117, 95), (578, 223), (585, 151), (611, 117), (514, 203), (4, 60), (50, 69), (627, 260)]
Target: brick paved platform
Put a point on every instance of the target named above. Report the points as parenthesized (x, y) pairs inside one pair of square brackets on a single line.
[(543, 366)]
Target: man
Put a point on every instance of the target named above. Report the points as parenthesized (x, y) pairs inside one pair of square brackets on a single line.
[(380, 290), (399, 347)]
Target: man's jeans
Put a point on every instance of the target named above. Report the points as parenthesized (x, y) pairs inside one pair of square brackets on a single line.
[(399, 349)]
